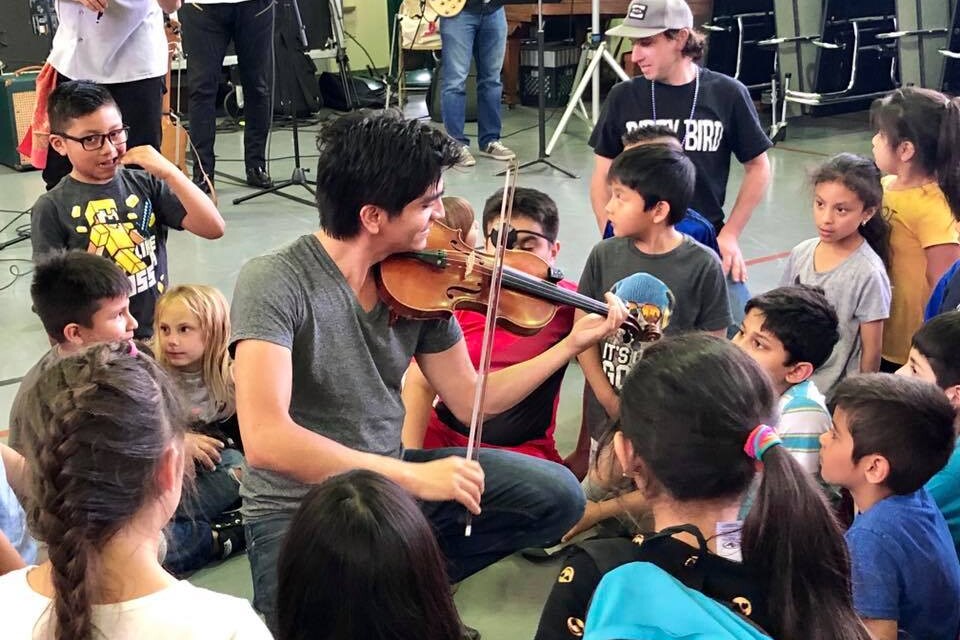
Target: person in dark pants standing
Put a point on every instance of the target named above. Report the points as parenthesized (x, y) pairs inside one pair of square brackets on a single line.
[(121, 45), (208, 28)]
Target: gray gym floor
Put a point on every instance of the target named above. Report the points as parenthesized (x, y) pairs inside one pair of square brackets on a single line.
[(503, 601)]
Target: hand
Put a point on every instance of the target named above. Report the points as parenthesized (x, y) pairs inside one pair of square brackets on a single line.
[(203, 449), (452, 478), (592, 328), (151, 160), (94, 5), (592, 514), (733, 263)]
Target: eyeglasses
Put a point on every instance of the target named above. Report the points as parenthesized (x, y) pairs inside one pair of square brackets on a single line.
[(513, 236), (95, 141)]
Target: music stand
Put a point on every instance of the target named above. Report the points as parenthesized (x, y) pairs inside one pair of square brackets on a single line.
[(541, 106), (595, 50), (299, 175)]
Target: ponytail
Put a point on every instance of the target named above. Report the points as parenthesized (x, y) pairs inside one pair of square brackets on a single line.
[(948, 156), (876, 232), (793, 539)]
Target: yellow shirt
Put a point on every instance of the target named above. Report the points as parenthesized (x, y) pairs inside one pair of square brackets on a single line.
[(919, 218)]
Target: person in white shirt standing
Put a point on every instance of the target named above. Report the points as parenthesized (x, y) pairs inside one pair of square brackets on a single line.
[(208, 28), (119, 44), (105, 475)]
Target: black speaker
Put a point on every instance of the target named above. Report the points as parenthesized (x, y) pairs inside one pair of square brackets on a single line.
[(433, 94), (369, 93), (294, 79)]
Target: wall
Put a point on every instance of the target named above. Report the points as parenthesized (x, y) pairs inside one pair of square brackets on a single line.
[(365, 20)]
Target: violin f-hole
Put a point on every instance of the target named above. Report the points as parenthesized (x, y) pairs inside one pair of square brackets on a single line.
[(457, 291)]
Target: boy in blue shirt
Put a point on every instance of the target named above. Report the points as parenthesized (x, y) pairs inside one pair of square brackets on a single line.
[(934, 358), (890, 435)]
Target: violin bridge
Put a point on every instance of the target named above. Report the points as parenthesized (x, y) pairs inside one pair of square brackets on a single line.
[(471, 263)]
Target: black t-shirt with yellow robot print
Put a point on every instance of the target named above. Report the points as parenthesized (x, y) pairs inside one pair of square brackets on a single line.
[(125, 220)]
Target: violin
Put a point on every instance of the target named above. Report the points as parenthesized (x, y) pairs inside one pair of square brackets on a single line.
[(449, 275)]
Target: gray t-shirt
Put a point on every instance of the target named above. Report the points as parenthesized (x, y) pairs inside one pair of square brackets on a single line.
[(691, 271), (859, 290), (347, 363)]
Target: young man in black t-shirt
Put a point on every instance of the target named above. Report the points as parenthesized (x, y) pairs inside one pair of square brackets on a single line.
[(712, 114)]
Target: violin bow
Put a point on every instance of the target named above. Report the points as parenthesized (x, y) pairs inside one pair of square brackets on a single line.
[(490, 324)]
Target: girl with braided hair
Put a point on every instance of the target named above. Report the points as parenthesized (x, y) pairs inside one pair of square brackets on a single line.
[(105, 476)]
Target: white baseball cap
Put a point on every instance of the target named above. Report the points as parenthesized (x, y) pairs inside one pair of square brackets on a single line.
[(646, 18)]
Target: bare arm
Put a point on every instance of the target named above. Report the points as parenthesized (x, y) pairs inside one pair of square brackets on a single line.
[(452, 374), (10, 560), (169, 6), (272, 440), (16, 468), (756, 179), (881, 629), (599, 191), (202, 217), (871, 339), (592, 367), (940, 257), (418, 397)]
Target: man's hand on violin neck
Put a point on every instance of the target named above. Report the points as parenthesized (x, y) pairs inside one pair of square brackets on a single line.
[(452, 478), (592, 328)]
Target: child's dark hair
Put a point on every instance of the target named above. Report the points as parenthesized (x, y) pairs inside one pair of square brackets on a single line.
[(695, 45), (69, 287), (931, 121), (658, 173), (907, 421), (937, 341), (103, 419), (361, 561), (802, 319), (376, 158), (647, 134), (861, 176), (710, 395), (529, 203), (75, 99)]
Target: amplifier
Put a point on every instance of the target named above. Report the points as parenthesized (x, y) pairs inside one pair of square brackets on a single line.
[(18, 100)]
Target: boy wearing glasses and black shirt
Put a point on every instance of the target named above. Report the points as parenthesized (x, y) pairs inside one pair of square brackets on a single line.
[(105, 208), (529, 426)]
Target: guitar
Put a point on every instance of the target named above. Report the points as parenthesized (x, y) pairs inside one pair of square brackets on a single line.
[(174, 140), (447, 8)]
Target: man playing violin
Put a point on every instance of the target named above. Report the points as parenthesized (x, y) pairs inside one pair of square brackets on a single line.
[(319, 359), (528, 427)]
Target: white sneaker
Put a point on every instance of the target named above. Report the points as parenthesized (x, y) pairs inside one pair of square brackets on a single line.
[(498, 151), (466, 158)]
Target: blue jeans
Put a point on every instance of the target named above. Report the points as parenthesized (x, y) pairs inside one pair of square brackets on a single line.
[(526, 502), (481, 35), (189, 536)]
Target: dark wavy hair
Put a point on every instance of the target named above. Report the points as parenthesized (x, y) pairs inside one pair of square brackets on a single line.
[(376, 158), (103, 417), (687, 408), (361, 561)]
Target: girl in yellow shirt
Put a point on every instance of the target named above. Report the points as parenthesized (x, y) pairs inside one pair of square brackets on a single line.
[(918, 145)]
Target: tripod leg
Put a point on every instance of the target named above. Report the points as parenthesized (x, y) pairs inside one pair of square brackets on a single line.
[(613, 64), (575, 97)]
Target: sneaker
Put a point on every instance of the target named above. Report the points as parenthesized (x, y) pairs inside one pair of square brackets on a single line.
[(466, 158), (497, 151), (230, 538)]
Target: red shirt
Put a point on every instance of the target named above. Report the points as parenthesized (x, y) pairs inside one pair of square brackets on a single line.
[(529, 426)]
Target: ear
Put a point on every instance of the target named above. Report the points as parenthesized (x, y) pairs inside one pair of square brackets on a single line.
[(868, 213), (73, 334), (554, 250), (623, 448), (906, 151), (169, 472), (876, 468), (372, 218), (660, 211), (953, 395), (59, 144), (681, 40), (799, 372)]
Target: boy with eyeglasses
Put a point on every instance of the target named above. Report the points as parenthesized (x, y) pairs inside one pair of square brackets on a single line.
[(106, 208), (529, 426)]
